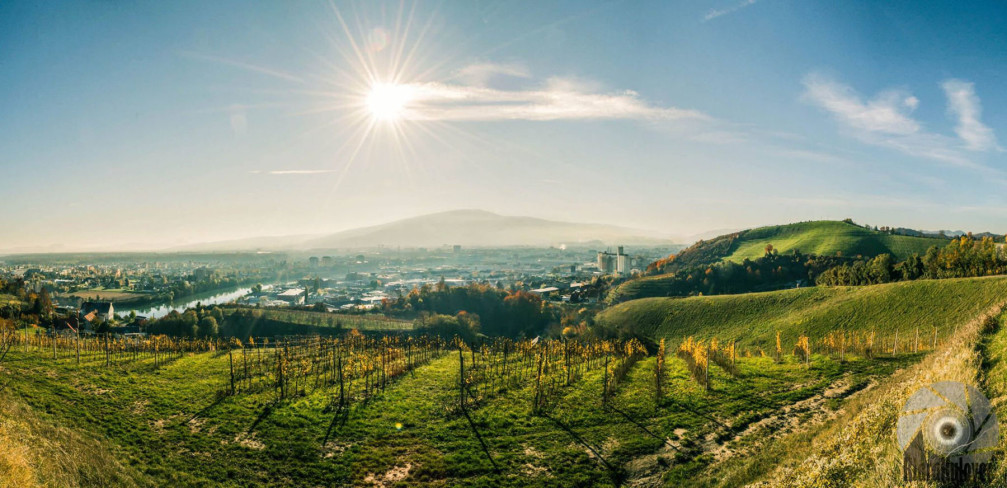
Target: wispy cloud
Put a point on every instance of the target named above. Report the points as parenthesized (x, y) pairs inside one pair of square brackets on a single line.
[(293, 172), (887, 113), (243, 65), (886, 120), (964, 104), (480, 74), (717, 12), (555, 99)]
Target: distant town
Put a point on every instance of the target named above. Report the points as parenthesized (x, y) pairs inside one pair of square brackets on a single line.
[(120, 293)]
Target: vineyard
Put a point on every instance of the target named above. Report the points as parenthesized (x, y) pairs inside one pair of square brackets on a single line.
[(373, 410), (718, 400), (363, 322)]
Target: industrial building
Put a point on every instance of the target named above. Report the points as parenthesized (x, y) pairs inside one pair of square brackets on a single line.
[(619, 263)]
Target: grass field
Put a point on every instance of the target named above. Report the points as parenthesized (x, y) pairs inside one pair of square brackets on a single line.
[(169, 426), (754, 318), (115, 295), (859, 448), (175, 425), (826, 238), (37, 450)]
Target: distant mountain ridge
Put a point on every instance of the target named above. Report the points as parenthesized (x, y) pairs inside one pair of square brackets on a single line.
[(480, 228), (473, 228)]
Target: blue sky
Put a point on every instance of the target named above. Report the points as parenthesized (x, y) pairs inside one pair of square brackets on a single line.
[(163, 123)]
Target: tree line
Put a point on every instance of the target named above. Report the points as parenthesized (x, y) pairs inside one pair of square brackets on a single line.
[(194, 322), (771, 272), (963, 257), (487, 310), (208, 322)]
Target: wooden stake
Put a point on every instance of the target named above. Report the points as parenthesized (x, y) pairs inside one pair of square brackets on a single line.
[(708, 367)]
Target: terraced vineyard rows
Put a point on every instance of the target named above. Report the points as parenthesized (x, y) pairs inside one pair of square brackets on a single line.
[(360, 410)]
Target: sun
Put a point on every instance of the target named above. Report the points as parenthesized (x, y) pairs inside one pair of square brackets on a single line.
[(388, 101)]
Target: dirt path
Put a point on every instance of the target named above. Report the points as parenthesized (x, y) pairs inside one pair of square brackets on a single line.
[(647, 470)]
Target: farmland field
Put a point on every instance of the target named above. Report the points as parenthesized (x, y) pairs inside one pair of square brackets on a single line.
[(189, 419), (172, 424), (114, 295)]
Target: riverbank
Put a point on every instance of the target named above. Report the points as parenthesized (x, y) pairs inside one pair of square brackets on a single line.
[(154, 311)]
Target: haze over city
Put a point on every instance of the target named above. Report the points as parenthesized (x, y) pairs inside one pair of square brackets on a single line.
[(151, 126)]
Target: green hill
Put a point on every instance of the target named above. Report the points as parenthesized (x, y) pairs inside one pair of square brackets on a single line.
[(823, 238), (821, 244), (826, 238), (754, 318)]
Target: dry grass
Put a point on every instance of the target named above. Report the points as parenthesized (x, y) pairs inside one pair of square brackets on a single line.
[(113, 295), (859, 449), (36, 452)]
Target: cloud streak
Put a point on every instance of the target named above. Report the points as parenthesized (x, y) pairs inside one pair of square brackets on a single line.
[(480, 74), (964, 105), (886, 120), (714, 13), (556, 99), (293, 172), (887, 113), (245, 66)]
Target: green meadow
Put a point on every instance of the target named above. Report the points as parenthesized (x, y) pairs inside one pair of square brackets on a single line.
[(827, 238), (754, 318)]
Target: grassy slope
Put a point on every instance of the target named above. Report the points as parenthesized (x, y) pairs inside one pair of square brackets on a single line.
[(647, 286), (993, 382), (859, 448), (826, 238), (169, 426), (754, 318), (37, 451)]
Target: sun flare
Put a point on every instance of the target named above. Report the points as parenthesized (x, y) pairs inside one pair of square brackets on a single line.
[(388, 101)]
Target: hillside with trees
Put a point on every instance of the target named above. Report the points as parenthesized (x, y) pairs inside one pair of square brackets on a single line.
[(821, 238), (773, 271), (964, 256), (786, 256)]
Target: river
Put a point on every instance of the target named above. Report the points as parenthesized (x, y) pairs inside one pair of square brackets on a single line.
[(212, 298)]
